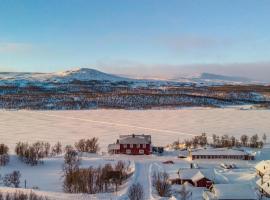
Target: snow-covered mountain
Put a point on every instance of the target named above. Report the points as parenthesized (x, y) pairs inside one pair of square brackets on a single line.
[(81, 74), (86, 74)]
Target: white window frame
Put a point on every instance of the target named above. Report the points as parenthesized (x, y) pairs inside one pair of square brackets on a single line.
[(141, 151), (138, 146), (125, 146), (144, 146), (131, 145), (128, 151)]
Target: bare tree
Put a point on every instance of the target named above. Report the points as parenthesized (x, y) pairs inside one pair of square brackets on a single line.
[(244, 140), (56, 149), (264, 138), (135, 192)]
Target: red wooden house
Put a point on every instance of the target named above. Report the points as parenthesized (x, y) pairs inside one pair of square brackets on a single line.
[(196, 177), (132, 145)]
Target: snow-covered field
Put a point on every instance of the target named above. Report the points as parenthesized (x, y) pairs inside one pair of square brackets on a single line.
[(164, 125)]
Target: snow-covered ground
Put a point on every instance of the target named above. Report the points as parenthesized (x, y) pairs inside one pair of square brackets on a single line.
[(164, 125)]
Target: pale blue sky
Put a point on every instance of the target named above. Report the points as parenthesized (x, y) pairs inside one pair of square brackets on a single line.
[(52, 35)]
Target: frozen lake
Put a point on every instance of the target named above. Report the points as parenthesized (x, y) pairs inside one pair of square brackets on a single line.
[(164, 125)]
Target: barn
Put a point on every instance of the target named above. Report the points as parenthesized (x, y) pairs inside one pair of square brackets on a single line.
[(132, 145)]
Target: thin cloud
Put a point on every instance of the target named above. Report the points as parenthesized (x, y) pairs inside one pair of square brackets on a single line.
[(194, 43), (13, 47)]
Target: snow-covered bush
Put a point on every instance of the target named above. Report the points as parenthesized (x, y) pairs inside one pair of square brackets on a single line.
[(135, 192), (12, 179)]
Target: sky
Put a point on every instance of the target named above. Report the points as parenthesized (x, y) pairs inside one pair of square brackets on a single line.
[(137, 37)]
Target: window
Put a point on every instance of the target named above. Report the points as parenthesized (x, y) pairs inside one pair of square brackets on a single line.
[(128, 151), (138, 146), (131, 145), (125, 146), (141, 151), (144, 146)]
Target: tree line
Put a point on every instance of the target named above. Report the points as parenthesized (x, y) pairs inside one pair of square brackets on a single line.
[(223, 141)]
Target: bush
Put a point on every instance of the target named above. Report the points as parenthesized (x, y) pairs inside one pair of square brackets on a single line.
[(32, 154), (17, 195), (93, 180), (4, 157), (56, 149), (135, 192), (12, 179), (88, 146), (160, 181)]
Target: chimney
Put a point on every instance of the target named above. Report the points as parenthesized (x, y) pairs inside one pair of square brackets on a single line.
[(133, 135)]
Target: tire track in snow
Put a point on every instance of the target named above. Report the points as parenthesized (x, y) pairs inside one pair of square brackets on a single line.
[(116, 124)]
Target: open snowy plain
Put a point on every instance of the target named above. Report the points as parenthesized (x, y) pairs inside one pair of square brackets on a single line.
[(165, 126)]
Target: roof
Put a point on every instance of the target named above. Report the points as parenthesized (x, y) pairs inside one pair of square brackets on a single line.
[(197, 174), (234, 191), (173, 176), (263, 166), (223, 151), (113, 147), (266, 187), (135, 139)]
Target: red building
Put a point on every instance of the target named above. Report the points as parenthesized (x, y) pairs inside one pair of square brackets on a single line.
[(132, 145), (196, 177)]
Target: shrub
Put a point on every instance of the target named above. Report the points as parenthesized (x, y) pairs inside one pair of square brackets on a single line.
[(135, 192), (88, 145), (32, 154), (12, 179), (17, 195), (56, 149), (4, 157), (160, 181)]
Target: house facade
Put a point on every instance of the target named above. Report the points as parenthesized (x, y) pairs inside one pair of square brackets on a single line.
[(220, 154), (132, 145), (196, 177)]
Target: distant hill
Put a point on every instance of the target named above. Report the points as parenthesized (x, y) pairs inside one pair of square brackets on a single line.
[(209, 76)]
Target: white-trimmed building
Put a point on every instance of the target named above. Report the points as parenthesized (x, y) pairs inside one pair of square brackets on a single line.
[(132, 145), (220, 153), (231, 192)]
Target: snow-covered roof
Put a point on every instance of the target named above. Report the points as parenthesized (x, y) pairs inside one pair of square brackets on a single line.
[(263, 166), (221, 152), (266, 187), (234, 191), (174, 176), (113, 147), (135, 139), (197, 174)]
